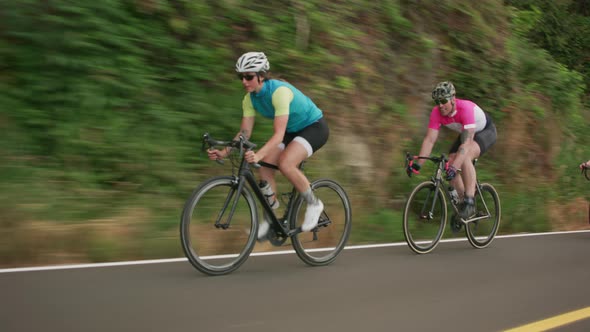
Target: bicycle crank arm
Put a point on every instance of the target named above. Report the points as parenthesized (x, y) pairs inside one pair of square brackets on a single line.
[(474, 219)]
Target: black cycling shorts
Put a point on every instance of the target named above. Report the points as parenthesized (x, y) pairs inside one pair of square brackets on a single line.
[(312, 137), (484, 138)]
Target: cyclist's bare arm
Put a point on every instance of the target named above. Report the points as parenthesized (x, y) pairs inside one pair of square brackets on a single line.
[(585, 165), (428, 144), (246, 127), (281, 101), (280, 127)]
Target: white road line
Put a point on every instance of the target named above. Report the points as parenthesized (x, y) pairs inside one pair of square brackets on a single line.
[(282, 252)]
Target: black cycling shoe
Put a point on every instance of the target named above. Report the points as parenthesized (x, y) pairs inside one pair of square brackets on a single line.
[(468, 209)]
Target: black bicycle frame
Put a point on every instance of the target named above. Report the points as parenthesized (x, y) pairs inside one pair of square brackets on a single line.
[(437, 181), (245, 175)]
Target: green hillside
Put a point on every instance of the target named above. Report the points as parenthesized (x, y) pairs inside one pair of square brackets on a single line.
[(103, 105)]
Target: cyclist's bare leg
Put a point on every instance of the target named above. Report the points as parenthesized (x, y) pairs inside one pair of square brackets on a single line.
[(457, 182), (289, 162), (268, 174), (468, 170)]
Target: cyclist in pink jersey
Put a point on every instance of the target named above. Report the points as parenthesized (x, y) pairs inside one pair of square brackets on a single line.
[(477, 133), (585, 165)]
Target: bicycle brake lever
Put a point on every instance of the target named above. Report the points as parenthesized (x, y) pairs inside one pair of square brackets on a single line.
[(206, 142)]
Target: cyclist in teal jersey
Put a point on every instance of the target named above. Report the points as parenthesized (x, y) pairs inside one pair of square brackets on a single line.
[(299, 130)]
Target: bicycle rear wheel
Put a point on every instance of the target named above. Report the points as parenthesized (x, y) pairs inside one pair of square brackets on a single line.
[(481, 232), (211, 249), (425, 217), (322, 245)]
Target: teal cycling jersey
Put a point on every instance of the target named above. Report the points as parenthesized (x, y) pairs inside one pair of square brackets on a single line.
[(280, 98)]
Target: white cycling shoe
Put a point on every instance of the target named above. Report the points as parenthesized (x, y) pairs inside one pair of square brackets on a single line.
[(312, 216), (263, 230)]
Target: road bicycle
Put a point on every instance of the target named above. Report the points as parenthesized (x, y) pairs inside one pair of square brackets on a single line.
[(425, 212), (219, 222)]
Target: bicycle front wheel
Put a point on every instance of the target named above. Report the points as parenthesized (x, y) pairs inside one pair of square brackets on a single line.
[(425, 217), (482, 231), (324, 243), (217, 248)]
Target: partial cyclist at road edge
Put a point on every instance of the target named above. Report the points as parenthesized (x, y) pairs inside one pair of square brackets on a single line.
[(299, 131), (477, 133)]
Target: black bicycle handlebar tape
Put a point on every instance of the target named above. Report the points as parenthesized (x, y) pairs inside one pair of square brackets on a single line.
[(213, 142)]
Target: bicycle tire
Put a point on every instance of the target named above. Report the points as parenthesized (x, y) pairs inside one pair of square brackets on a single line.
[(482, 232), (421, 230), (213, 250), (322, 245)]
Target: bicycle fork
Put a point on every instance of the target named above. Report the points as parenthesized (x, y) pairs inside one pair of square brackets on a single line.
[(429, 215), (230, 197)]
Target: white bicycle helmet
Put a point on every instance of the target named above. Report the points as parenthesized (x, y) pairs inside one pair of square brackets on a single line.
[(252, 62)]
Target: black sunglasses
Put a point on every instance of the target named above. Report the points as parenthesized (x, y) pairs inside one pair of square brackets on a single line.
[(441, 101), (247, 77)]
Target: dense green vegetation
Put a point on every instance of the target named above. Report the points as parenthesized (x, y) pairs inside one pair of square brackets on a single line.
[(103, 104)]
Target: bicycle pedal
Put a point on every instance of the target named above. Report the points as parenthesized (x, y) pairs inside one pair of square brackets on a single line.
[(456, 226)]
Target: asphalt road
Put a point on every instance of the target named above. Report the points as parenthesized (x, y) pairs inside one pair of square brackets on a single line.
[(515, 281)]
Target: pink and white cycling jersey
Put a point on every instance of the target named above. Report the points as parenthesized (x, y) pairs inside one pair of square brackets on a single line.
[(467, 115)]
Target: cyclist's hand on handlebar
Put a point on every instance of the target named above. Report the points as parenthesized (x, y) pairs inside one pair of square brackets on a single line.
[(215, 154), (413, 168), (251, 157), (585, 165)]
